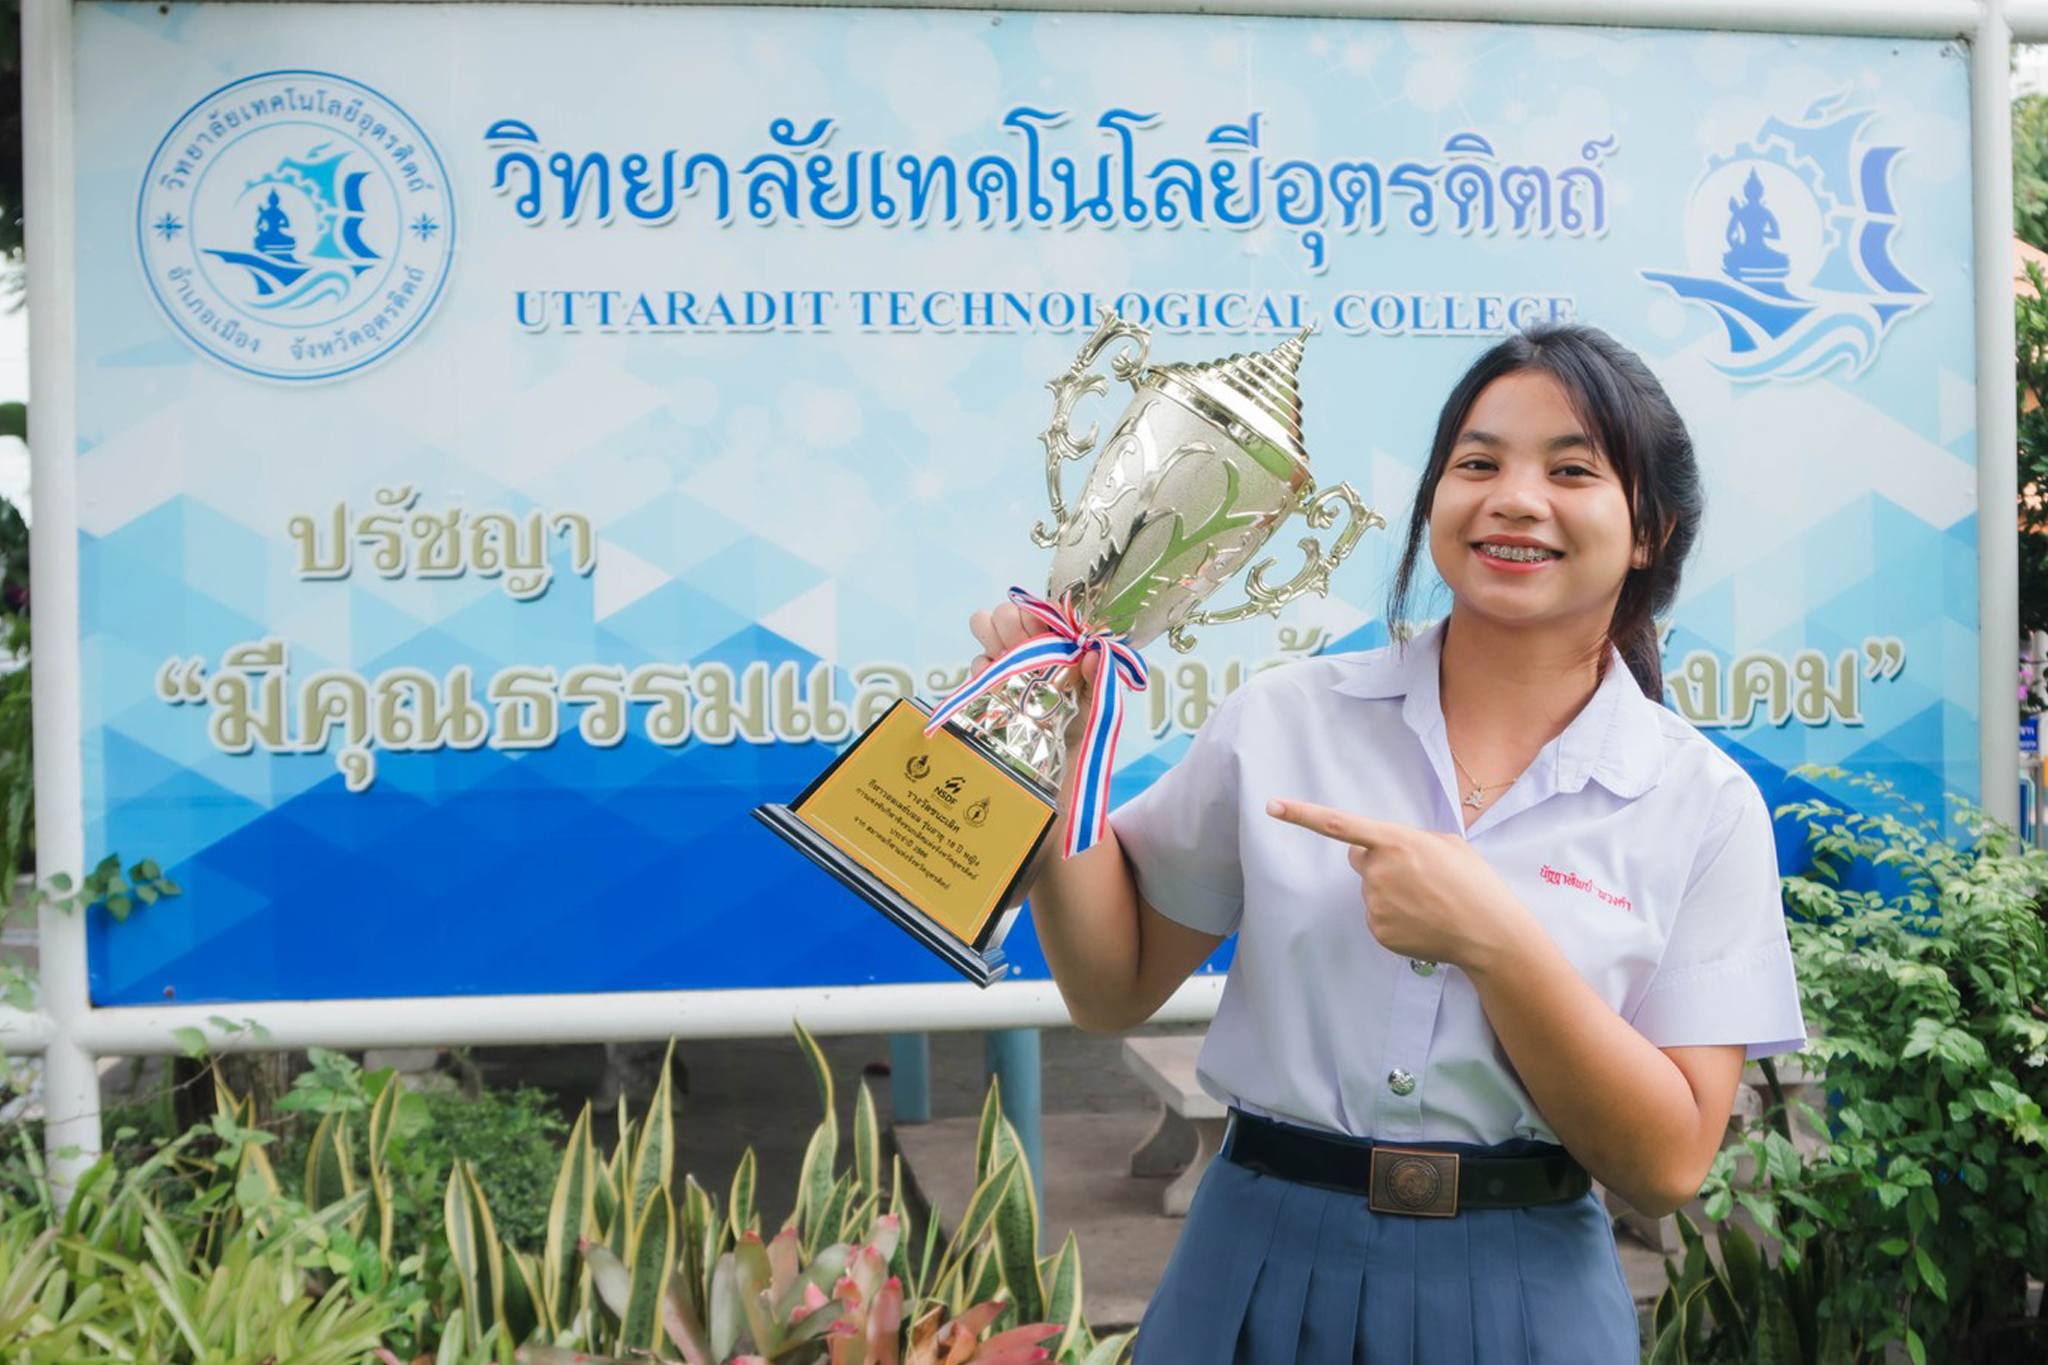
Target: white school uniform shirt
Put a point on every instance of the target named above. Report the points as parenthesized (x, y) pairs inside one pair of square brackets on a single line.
[(1644, 851)]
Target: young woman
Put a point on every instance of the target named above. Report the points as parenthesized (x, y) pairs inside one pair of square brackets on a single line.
[(1503, 920)]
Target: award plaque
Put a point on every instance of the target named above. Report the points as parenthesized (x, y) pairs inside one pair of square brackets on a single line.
[(934, 817)]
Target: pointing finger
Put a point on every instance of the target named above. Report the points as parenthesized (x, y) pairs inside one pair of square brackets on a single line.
[(1331, 823)]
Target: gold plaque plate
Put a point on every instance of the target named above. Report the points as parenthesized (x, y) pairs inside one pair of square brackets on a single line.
[(933, 831)]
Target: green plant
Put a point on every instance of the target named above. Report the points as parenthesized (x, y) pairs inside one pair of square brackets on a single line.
[(513, 1135), (233, 1271), (2030, 332), (634, 1263), (1922, 1189), (1743, 1307), (225, 1244)]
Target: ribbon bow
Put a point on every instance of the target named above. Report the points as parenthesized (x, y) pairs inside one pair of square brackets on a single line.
[(1069, 642)]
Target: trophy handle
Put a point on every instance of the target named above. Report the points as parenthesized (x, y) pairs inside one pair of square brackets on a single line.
[(1070, 388), (1320, 511)]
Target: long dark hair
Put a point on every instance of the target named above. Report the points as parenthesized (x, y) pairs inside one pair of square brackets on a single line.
[(1634, 425)]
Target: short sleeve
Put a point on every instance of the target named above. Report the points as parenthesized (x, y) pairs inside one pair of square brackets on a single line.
[(1726, 974), (1181, 833)]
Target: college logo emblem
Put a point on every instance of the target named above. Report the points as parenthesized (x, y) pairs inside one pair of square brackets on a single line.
[(296, 225), (1791, 238)]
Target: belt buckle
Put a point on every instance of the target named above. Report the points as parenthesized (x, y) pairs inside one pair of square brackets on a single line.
[(1414, 1182)]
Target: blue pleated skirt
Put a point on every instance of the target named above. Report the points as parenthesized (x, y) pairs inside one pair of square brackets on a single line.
[(1270, 1272)]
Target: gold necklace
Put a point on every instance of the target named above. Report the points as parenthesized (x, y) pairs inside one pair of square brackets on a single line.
[(1475, 798)]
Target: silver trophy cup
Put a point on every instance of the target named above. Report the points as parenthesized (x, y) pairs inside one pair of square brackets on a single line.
[(1203, 467), (938, 827)]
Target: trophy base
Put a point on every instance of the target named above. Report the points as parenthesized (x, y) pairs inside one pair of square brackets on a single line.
[(935, 831), (982, 967)]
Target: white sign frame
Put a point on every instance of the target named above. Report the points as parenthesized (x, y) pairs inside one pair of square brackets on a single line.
[(71, 1034)]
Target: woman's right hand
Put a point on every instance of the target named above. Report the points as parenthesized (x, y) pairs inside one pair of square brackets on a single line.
[(1007, 625)]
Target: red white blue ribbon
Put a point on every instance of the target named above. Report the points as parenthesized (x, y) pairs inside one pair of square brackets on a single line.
[(1069, 642)]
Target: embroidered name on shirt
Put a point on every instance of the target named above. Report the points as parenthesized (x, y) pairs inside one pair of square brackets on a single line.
[(1586, 884)]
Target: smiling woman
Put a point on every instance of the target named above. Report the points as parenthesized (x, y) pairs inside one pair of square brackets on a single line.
[(1506, 925)]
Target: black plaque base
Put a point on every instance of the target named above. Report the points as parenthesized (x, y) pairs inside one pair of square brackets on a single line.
[(982, 967)]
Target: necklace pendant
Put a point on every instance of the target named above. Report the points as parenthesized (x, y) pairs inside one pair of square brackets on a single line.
[(1475, 798)]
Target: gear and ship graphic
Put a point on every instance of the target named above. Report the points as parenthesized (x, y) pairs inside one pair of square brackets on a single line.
[(1792, 310), (282, 278)]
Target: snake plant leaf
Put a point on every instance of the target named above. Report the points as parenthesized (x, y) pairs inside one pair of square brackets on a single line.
[(1668, 1347), (526, 1309), (570, 1220), (985, 1135), (926, 1266), (1016, 1237), (653, 1253), (867, 1143), (985, 1278), (831, 1218), (330, 1164), (1110, 1349), (858, 1218), (454, 1341), (821, 1073), (465, 1226), (1745, 1269), (1063, 1296), (981, 1211), (384, 1111), (739, 1204), (654, 1157), (814, 1185), (703, 1240), (1777, 1336)]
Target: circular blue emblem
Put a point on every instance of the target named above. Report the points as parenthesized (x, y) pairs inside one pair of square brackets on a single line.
[(296, 225)]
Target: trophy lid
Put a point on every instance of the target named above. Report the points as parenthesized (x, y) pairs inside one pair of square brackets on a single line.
[(1260, 392)]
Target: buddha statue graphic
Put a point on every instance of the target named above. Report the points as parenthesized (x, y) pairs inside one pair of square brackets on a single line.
[(1750, 258)]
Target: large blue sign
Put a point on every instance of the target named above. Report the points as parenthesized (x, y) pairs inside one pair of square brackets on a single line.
[(450, 599)]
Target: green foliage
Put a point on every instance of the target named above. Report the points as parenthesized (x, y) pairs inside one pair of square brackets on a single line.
[(1913, 1208), (1744, 1308), (2030, 170), (2030, 327), (226, 1244), (2030, 222), (635, 1264)]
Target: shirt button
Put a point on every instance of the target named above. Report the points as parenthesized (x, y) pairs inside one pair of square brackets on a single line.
[(1400, 1082), (1421, 966)]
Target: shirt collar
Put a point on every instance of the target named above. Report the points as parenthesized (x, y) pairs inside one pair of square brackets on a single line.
[(1615, 739)]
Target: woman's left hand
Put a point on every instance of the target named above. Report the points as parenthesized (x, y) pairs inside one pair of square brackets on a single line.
[(1428, 896)]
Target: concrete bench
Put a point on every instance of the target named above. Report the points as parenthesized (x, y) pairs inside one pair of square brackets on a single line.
[(1190, 1129)]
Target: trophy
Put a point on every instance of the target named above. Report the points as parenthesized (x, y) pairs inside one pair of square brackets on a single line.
[(934, 816)]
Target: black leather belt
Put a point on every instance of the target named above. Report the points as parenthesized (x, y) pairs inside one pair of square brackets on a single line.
[(1421, 1182)]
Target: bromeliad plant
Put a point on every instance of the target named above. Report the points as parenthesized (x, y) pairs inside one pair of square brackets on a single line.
[(640, 1267)]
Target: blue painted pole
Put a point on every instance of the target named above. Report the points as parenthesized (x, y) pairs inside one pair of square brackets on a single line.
[(910, 1077), (1013, 1060)]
